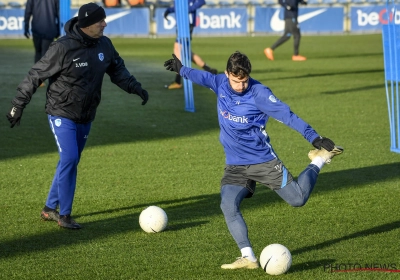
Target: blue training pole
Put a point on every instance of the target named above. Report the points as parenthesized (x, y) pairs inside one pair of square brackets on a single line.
[(182, 23), (391, 52), (65, 14)]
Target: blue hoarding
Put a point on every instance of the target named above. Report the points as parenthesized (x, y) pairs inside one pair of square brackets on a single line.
[(311, 20), (208, 21), (120, 22), (372, 18)]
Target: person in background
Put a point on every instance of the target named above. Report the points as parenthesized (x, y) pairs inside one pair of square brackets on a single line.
[(244, 107), (45, 24), (291, 11), (75, 65), (194, 5)]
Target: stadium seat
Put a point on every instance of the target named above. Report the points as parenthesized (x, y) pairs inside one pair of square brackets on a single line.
[(211, 3), (314, 2), (329, 2), (163, 3), (14, 4), (223, 3), (255, 2), (270, 2), (239, 3)]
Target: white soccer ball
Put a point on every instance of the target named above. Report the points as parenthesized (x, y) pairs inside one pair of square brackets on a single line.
[(275, 259), (153, 219)]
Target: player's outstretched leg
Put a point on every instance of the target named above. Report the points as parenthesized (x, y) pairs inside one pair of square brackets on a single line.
[(297, 193)]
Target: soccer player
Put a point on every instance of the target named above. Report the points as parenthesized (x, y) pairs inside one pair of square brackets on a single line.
[(193, 6), (244, 106), (75, 65), (291, 11)]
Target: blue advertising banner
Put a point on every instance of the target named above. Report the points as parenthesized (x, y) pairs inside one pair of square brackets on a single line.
[(120, 22), (371, 18), (12, 22), (125, 22), (311, 20), (208, 21)]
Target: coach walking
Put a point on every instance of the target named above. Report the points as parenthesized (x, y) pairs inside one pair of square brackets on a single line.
[(75, 65)]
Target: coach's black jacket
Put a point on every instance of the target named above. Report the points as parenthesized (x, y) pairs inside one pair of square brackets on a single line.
[(75, 65)]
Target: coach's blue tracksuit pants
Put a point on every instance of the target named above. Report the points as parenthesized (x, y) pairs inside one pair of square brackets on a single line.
[(70, 139), (294, 193)]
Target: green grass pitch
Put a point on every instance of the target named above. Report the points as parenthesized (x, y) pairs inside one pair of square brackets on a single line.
[(159, 154)]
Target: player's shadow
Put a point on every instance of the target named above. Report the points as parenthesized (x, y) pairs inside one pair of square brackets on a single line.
[(315, 75), (192, 212)]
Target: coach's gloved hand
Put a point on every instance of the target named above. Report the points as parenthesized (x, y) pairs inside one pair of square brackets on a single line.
[(27, 34), (166, 13), (323, 142), (142, 93), (173, 65), (14, 116)]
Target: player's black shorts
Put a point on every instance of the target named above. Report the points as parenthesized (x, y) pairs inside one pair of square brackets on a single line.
[(273, 174)]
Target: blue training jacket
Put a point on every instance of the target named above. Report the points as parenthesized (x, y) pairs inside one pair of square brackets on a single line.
[(243, 117)]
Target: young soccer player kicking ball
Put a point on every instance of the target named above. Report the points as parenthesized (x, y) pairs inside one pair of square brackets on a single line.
[(244, 106)]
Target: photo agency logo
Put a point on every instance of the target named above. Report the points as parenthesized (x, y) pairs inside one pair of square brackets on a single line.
[(353, 267)]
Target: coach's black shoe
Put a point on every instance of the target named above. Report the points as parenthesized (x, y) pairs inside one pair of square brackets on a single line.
[(51, 215), (66, 221)]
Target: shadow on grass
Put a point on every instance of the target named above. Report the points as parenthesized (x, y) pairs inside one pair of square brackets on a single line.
[(309, 265), (314, 75), (375, 230), (379, 86), (195, 210)]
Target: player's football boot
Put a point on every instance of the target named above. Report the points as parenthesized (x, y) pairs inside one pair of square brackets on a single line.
[(66, 221), (269, 53), (51, 215), (298, 58), (174, 86), (241, 262), (326, 155)]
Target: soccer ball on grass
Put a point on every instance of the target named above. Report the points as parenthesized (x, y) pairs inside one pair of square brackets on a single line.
[(275, 259), (153, 219)]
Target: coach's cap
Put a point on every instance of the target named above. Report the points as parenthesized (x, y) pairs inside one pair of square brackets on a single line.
[(90, 14)]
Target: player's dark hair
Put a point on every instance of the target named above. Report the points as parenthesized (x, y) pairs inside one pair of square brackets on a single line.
[(239, 65)]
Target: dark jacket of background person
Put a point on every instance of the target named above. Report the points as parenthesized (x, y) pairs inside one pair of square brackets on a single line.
[(45, 18), (74, 90), (291, 8)]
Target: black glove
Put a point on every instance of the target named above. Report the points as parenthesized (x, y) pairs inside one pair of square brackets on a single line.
[(142, 93), (166, 13), (14, 116), (27, 34), (323, 142), (303, 2), (173, 65)]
